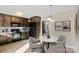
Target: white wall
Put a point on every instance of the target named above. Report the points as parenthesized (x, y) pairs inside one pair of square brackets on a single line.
[(65, 16)]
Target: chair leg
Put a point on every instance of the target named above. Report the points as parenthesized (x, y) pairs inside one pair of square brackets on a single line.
[(65, 49)]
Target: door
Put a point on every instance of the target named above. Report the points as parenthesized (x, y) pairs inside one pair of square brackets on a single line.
[(32, 32)]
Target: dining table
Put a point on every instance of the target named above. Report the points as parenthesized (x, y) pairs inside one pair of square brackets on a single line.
[(51, 39), (48, 41)]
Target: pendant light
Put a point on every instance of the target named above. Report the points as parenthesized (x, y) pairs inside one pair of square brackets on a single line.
[(48, 21), (50, 16)]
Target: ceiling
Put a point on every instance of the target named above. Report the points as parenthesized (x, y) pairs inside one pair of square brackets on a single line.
[(34, 10)]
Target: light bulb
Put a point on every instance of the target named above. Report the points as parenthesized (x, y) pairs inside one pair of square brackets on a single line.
[(50, 19)]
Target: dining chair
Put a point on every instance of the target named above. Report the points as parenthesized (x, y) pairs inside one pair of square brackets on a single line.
[(57, 47), (34, 46)]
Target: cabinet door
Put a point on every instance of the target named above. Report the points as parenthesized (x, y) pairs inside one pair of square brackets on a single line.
[(17, 20), (21, 22), (6, 21), (1, 20), (13, 19), (26, 23)]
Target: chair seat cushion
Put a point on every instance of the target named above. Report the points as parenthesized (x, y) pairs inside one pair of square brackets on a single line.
[(36, 46)]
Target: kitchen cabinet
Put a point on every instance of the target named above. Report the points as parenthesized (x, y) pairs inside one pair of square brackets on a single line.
[(25, 22), (21, 21), (17, 20), (1, 20), (4, 40), (6, 21), (13, 19), (24, 35)]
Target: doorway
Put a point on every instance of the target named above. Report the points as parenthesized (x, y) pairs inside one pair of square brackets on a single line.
[(32, 32)]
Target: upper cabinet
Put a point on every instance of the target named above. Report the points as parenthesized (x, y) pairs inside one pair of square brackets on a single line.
[(21, 22), (1, 20), (13, 19), (6, 21), (18, 20), (25, 22)]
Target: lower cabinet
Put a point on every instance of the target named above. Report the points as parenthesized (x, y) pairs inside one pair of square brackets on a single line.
[(4, 40), (24, 35)]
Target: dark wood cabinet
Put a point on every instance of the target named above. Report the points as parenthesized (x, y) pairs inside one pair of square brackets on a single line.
[(1, 20), (21, 22), (13, 19), (25, 23), (4, 40), (6, 21), (17, 20)]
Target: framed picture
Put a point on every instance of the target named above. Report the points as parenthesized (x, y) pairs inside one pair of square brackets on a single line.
[(62, 26)]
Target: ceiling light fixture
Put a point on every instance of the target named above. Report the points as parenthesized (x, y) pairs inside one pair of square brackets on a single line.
[(50, 16), (48, 21)]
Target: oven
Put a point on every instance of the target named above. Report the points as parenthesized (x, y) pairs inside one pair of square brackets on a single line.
[(16, 34)]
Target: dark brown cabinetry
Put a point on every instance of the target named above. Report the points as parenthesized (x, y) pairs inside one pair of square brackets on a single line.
[(9, 20), (21, 22), (25, 22), (4, 40), (1, 20), (6, 21), (12, 19)]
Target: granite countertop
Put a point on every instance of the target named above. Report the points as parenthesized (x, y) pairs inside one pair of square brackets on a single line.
[(6, 34)]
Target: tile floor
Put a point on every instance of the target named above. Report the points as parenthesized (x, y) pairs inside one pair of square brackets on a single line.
[(12, 47), (19, 46)]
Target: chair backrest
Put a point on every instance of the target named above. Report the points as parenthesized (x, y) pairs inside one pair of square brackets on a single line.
[(62, 38), (59, 47)]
